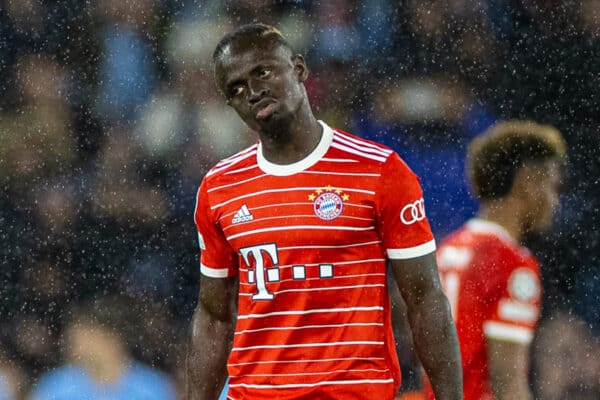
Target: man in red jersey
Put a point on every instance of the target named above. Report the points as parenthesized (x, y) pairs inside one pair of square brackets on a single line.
[(298, 230), (492, 282)]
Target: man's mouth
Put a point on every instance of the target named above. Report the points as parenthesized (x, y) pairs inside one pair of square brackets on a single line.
[(266, 111)]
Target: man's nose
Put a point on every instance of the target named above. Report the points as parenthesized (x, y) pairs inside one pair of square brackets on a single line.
[(257, 92)]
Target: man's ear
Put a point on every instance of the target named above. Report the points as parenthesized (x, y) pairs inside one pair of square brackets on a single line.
[(300, 67), (525, 178)]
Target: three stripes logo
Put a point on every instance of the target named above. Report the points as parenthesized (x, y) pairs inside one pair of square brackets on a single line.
[(242, 215)]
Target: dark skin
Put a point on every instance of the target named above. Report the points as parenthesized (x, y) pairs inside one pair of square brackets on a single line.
[(270, 76), (264, 83)]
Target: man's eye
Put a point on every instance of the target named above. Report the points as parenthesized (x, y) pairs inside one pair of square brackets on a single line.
[(236, 91), (264, 73)]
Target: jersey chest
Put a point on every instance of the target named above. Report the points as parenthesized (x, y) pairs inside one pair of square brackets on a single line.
[(316, 211), (290, 233)]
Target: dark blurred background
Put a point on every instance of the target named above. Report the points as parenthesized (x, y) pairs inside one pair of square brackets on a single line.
[(109, 119)]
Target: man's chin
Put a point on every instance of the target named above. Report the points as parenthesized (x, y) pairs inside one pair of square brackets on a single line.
[(274, 121)]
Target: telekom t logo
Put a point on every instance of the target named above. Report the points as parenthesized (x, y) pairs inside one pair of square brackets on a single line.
[(258, 274)]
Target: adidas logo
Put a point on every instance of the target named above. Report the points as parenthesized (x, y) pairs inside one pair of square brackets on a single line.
[(242, 215)]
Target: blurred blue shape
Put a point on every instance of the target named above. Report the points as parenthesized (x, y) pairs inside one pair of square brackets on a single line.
[(4, 392), (126, 74), (71, 382), (437, 154)]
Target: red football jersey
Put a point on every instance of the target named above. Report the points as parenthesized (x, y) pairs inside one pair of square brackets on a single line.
[(493, 286), (309, 242)]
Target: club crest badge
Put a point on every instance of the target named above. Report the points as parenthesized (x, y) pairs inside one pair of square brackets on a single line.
[(328, 203)]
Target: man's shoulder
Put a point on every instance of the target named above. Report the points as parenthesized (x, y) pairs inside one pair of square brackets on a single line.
[(483, 245), (357, 141), (141, 376), (68, 371), (238, 162), (63, 380)]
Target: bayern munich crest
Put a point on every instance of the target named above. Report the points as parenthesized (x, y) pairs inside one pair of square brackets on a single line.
[(328, 203)]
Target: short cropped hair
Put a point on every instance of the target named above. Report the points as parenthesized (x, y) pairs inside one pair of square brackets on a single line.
[(495, 156), (251, 33)]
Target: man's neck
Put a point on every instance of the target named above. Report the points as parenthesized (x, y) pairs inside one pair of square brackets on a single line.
[(506, 213), (106, 368), (293, 140)]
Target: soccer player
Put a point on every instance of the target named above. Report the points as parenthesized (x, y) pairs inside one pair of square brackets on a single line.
[(298, 229), (492, 282)]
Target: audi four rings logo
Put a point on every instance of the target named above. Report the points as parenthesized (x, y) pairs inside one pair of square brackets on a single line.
[(413, 212)]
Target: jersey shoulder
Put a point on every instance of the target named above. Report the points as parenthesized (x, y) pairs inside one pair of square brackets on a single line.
[(478, 242), (365, 152), (354, 146), (349, 138), (241, 161), (478, 233)]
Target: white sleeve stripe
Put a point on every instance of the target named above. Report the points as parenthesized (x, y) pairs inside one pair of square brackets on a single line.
[(213, 272), (507, 332), (516, 311), (412, 252)]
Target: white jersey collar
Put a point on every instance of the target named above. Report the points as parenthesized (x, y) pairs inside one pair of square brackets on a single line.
[(299, 166), (480, 225)]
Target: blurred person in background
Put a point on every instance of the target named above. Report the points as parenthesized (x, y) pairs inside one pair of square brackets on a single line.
[(289, 343), (37, 157), (127, 69), (549, 72), (97, 361), (492, 282), (428, 110), (37, 140)]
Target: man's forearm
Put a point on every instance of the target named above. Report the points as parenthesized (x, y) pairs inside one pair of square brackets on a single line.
[(207, 357), (508, 365), (510, 391), (437, 345)]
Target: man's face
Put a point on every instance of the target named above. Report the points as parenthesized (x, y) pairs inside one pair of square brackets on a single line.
[(86, 342), (262, 82), (543, 194)]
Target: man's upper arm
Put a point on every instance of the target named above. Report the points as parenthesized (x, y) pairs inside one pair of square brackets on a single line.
[(416, 277), (218, 297), (509, 330), (217, 258)]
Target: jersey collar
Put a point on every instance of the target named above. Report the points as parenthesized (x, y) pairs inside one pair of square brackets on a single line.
[(480, 225), (299, 166)]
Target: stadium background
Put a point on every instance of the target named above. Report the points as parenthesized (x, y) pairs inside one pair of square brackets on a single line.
[(109, 118)]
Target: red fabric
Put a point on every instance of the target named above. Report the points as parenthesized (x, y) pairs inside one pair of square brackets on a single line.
[(324, 331), (493, 286)]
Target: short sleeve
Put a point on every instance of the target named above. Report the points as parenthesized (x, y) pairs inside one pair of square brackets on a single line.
[(517, 312), (401, 218), (217, 258)]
